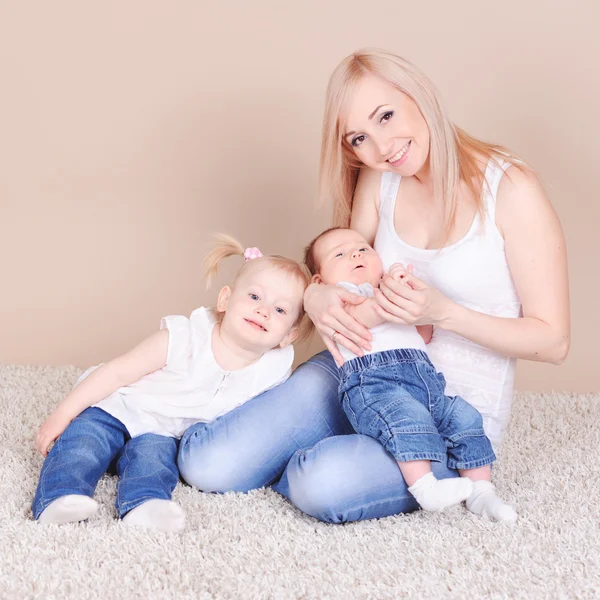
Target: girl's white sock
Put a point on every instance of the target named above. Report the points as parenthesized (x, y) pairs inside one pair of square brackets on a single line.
[(69, 509), (162, 515), (437, 494), (484, 501)]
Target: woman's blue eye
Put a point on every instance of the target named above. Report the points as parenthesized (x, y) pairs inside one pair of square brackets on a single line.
[(280, 310), (387, 116), (253, 296), (359, 139)]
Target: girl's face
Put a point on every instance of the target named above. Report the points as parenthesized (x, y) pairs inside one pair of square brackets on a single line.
[(262, 308), (385, 129)]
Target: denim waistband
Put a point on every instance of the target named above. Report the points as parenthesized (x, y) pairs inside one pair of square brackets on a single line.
[(377, 359)]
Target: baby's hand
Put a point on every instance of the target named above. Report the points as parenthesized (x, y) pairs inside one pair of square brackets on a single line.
[(49, 432), (398, 271)]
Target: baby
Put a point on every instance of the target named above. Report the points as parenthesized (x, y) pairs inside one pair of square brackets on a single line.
[(395, 395), (131, 411)]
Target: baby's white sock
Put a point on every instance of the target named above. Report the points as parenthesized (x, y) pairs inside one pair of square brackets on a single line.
[(69, 509), (162, 515), (437, 494), (484, 501)]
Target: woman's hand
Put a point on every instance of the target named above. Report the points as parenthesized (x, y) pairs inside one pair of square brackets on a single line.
[(405, 299), (325, 306), (49, 432)]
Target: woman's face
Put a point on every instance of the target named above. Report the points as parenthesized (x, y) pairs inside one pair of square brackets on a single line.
[(385, 129)]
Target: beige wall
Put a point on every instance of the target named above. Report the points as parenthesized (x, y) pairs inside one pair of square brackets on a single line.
[(132, 130)]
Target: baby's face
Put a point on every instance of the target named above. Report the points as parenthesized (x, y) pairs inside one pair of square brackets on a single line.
[(344, 255)]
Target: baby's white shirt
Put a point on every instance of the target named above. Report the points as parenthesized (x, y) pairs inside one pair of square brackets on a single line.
[(192, 387), (387, 336)]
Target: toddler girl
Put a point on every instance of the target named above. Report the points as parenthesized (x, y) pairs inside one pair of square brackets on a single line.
[(130, 413), (395, 395)]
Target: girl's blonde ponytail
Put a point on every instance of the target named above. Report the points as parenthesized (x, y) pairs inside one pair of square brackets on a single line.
[(225, 246)]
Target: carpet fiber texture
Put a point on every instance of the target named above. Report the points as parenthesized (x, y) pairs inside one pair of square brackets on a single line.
[(259, 546)]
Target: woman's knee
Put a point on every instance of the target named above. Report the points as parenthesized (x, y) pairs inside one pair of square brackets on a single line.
[(313, 485), (223, 455), (347, 478), (208, 464)]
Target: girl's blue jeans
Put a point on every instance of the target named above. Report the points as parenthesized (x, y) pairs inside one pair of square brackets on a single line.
[(297, 437), (95, 442)]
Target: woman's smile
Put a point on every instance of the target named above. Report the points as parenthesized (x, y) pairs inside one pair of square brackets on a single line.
[(400, 157)]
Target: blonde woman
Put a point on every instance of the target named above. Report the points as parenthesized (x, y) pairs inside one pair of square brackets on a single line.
[(489, 272)]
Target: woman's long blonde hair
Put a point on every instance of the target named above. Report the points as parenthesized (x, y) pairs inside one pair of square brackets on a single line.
[(226, 246), (453, 154)]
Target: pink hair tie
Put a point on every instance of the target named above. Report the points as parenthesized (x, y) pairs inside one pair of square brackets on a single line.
[(252, 253)]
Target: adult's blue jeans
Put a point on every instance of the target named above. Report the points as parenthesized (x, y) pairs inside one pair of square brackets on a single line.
[(297, 438), (95, 442)]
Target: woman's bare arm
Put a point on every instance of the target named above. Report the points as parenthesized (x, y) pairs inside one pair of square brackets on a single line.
[(536, 253), (537, 257), (365, 206)]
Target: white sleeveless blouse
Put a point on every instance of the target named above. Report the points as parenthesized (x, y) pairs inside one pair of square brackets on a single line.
[(474, 273)]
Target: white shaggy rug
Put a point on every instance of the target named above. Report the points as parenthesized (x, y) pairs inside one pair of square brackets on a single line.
[(258, 546)]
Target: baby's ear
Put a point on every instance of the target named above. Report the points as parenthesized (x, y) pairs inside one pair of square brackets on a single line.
[(223, 299), (316, 278), (291, 335)]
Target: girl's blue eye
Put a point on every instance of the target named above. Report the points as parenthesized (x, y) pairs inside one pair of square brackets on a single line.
[(359, 139), (386, 116), (280, 310), (253, 296)]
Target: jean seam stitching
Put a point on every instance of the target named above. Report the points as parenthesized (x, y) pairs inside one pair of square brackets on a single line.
[(469, 464), (412, 456), (122, 475), (428, 391)]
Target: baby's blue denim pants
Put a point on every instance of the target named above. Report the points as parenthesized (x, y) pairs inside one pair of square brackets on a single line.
[(96, 441), (398, 398)]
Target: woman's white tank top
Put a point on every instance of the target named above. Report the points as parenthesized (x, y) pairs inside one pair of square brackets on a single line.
[(474, 273)]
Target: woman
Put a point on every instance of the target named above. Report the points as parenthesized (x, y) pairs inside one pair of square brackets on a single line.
[(490, 274)]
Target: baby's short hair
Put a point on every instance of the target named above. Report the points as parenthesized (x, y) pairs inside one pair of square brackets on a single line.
[(310, 259)]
